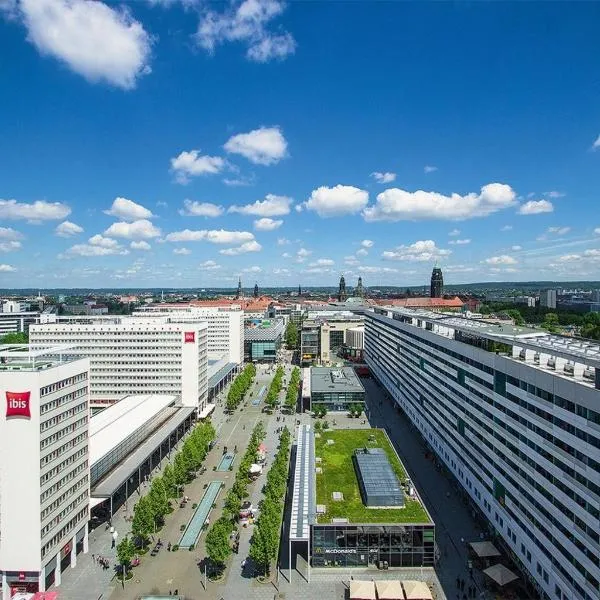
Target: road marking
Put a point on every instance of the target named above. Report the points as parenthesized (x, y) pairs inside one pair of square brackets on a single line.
[(231, 433)]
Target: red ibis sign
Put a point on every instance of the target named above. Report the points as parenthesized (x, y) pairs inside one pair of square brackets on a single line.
[(189, 337), (17, 405)]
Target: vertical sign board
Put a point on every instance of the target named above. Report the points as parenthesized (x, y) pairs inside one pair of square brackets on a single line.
[(17, 405), (189, 337)]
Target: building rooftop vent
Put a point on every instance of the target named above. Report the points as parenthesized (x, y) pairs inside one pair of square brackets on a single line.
[(551, 363), (569, 369), (589, 373)]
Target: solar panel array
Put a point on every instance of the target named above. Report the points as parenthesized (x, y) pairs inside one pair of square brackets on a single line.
[(379, 485)]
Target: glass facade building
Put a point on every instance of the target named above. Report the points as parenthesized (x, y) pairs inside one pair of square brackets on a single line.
[(336, 389)]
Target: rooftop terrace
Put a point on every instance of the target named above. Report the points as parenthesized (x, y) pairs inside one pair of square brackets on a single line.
[(339, 475), (337, 380)]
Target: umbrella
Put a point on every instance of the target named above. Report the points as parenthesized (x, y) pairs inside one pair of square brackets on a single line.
[(500, 574), (389, 590), (484, 549), (416, 590), (362, 590)]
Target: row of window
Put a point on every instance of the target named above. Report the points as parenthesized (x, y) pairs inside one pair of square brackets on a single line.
[(59, 385), (48, 406), (62, 449), (62, 416), (63, 480), (58, 435), (68, 493), (83, 497), (69, 528)]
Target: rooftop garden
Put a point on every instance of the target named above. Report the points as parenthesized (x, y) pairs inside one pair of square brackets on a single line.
[(338, 475)]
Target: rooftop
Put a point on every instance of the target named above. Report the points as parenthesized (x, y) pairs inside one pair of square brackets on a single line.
[(340, 379), (25, 357), (339, 475), (265, 332), (424, 302)]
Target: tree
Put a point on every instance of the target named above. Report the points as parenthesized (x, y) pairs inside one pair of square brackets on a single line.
[(142, 524), (157, 500), (125, 552), (551, 322), (516, 316), (291, 336), (169, 481), (217, 542), (14, 338)]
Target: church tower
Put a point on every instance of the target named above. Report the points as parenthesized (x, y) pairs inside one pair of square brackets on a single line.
[(342, 296), (437, 283), (256, 290), (359, 289), (239, 289)]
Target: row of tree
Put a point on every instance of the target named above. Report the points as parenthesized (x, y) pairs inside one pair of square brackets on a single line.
[(241, 384), (291, 397), (291, 336), (272, 398), (217, 543), (264, 545), (150, 510)]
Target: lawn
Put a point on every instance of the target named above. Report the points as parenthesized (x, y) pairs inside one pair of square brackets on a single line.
[(339, 476)]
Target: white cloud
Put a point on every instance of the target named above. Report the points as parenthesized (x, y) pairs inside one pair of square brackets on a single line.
[(454, 232), (336, 201), (569, 258), (506, 228), (266, 224), (322, 262), (362, 252), (596, 144), (68, 229), (254, 269), (240, 181), (286, 255), (97, 246), (423, 250), (367, 243), (192, 163), (252, 246), (247, 22), (503, 259), (103, 242), (262, 146), (271, 206), (429, 169), (459, 242), (92, 39), (140, 245), (302, 255), (383, 177), (182, 251), (10, 239), (200, 209), (351, 260), (317, 270), (516, 248), (597, 231), (284, 272), (215, 236), (125, 209), (142, 229), (395, 204), (559, 230), (458, 269), (7, 268), (536, 207), (9, 245), (367, 269), (554, 194), (37, 211), (283, 241), (209, 265)]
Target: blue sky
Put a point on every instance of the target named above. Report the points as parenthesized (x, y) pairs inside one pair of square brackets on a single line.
[(184, 143)]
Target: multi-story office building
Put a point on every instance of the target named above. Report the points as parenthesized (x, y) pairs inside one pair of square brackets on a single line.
[(514, 414), (263, 341), (548, 298), (44, 469), (164, 354), (17, 322)]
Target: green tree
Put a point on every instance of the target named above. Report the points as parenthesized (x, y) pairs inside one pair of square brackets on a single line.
[(551, 322), (125, 552), (142, 525), (158, 500), (291, 336), (217, 544), (14, 338), (516, 316), (169, 481)]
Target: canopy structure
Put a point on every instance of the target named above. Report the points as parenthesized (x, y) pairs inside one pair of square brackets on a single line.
[(389, 590), (484, 549), (206, 411), (500, 574), (416, 590), (255, 469), (362, 590)]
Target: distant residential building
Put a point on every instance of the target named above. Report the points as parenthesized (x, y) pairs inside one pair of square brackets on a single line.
[(548, 298), (527, 300), (436, 304), (89, 308), (17, 322), (15, 306), (437, 283), (596, 296)]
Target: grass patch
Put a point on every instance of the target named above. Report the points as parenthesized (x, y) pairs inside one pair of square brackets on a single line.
[(339, 476)]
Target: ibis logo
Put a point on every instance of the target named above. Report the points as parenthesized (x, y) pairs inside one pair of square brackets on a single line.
[(189, 337), (17, 405)]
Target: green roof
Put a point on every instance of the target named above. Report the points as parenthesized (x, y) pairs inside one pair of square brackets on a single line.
[(339, 475)]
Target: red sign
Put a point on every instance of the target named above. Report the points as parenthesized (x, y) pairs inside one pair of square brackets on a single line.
[(189, 336), (21, 576), (17, 405)]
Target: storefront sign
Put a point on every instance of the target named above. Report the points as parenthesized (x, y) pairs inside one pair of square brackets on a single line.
[(17, 405), (189, 337), (335, 550)]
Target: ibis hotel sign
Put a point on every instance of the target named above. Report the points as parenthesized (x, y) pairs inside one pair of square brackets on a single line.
[(17, 405), (189, 337)]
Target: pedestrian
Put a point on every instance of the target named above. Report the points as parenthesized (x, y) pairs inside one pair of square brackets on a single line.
[(94, 557), (112, 544), (176, 592), (170, 593)]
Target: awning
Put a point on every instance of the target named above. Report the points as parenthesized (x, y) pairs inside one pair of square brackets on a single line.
[(206, 411), (95, 501), (484, 549), (362, 590), (416, 590), (389, 590), (500, 574)]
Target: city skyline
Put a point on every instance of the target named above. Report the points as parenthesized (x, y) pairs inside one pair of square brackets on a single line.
[(233, 140)]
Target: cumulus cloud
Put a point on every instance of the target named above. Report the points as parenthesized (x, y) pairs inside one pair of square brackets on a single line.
[(252, 246), (271, 206), (97, 245), (200, 209), (503, 259), (367, 269), (423, 250), (322, 262), (142, 245), (383, 177), (536, 207), (283, 241), (103, 242), (128, 210), (68, 229), (266, 224), (459, 242), (182, 251), (458, 269), (362, 252), (142, 229), (36, 212), (558, 230), (554, 194), (351, 260), (336, 201), (254, 269), (367, 243), (262, 146), (247, 22), (506, 228), (92, 39), (10, 239), (9, 245), (516, 248), (395, 204), (429, 169), (454, 232), (192, 163), (4, 268), (596, 144), (317, 270), (278, 271), (302, 254), (215, 236), (209, 265)]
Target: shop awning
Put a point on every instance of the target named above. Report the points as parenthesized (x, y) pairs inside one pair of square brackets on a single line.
[(500, 574), (95, 501), (416, 590), (362, 590), (206, 411), (484, 549), (389, 590)]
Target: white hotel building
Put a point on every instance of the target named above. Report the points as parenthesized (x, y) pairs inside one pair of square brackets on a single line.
[(145, 355), (44, 468), (514, 414)]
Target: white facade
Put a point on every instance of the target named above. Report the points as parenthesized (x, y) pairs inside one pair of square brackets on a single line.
[(548, 298), (44, 469), (14, 306), (355, 338), (136, 355), (16, 322), (225, 327), (515, 415)]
